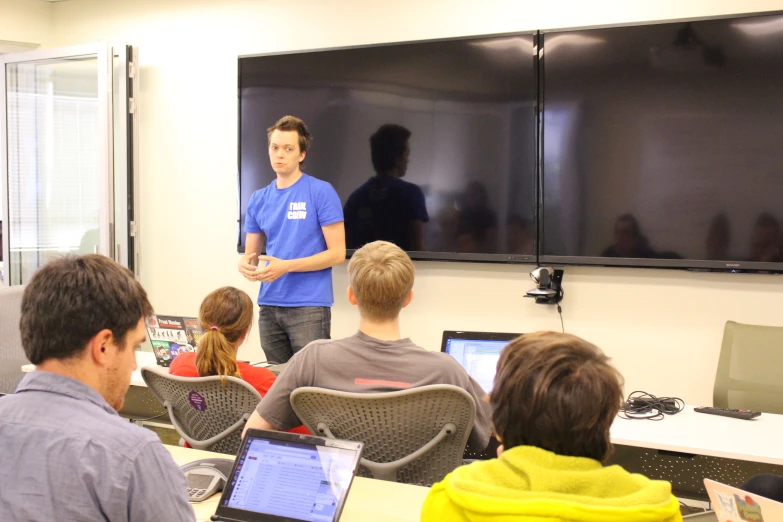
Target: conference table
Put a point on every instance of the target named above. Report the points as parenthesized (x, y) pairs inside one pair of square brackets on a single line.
[(756, 440), (683, 448), (148, 359), (688, 447), (140, 404), (688, 432), (368, 499)]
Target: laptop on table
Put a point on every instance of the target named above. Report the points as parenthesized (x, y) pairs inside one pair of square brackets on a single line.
[(172, 335), (284, 477), (477, 352), (735, 505)]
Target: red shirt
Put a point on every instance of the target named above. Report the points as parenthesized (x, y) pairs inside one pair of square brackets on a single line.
[(184, 365)]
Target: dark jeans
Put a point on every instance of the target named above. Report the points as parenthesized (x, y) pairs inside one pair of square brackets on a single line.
[(286, 330)]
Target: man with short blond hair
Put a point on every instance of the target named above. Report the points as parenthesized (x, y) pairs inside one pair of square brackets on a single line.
[(381, 279), (376, 358)]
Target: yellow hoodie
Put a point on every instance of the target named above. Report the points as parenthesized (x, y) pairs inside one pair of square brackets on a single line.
[(535, 485)]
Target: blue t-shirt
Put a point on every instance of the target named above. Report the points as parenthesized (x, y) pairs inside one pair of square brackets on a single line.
[(291, 219)]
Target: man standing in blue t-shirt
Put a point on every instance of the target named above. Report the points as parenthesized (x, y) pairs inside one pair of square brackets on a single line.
[(300, 221)]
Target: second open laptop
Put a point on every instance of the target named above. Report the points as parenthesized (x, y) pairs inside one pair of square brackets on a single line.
[(733, 504), (171, 335), (477, 352), (283, 477)]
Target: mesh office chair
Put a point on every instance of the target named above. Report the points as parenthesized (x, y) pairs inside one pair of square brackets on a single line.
[(415, 436), (12, 356), (207, 415), (750, 368)]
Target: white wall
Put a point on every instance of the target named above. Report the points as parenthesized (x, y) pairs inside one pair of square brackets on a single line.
[(662, 328), (25, 21)]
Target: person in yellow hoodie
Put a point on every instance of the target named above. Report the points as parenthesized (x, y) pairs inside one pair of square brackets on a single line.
[(554, 399)]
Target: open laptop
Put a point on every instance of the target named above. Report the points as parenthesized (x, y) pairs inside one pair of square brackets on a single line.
[(286, 477), (172, 335), (734, 505), (477, 352)]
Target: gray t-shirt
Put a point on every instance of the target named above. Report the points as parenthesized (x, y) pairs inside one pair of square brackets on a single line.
[(65, 454), (364, 364)]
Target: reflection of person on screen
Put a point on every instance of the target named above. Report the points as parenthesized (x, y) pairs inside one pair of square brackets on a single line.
[(478, 223), (386, 207), (628, 240), (519, 235), (764, 246), (719, 238)]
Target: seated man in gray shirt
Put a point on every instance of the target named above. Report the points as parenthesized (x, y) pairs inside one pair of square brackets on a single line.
[(65, 452), (375, 358)]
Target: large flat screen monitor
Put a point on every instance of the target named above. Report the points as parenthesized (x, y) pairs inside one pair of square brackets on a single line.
[(662, 145), (430, 145)]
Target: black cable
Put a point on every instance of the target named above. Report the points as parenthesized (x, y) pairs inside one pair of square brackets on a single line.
[(560, 311), (149, 418), (643, 405)]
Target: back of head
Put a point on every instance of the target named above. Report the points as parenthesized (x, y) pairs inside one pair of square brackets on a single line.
[(767, 485), (71, 299), (556, 392), (381, 276), (387, 145), (226, 315)]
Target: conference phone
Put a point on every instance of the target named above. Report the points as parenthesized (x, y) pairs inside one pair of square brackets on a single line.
[(206, 477)]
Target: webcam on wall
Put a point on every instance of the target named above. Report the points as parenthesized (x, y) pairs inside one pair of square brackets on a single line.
[(549, 288)]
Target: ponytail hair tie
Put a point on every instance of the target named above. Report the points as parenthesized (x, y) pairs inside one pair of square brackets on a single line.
[(214, 328)]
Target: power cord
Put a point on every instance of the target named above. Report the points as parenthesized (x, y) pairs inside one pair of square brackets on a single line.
[(149, 418), (643, 405), (560, 311)]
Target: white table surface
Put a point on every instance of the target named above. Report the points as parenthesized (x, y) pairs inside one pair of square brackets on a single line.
[(368, 500), (142, 359), (756, 440)]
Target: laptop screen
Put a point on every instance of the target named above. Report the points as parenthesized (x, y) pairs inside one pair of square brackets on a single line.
[(172, 335), (291, 479), (477, 352)]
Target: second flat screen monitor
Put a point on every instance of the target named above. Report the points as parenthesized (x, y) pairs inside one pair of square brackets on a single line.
[(430, 145), (662, 145)]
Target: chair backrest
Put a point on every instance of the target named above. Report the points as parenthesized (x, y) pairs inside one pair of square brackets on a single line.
[(207, 414), (12, 356), (415, 436), (750, 368)]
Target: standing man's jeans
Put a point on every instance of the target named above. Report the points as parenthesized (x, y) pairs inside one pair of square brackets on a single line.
[(286, 330)]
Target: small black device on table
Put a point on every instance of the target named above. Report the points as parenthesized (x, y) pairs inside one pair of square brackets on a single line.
[(728, 412)]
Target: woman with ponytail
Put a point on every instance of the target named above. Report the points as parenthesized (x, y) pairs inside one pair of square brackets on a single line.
[(226, 315)]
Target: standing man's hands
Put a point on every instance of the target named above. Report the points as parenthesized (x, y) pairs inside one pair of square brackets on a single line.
[(275, 269), (248, 266)]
